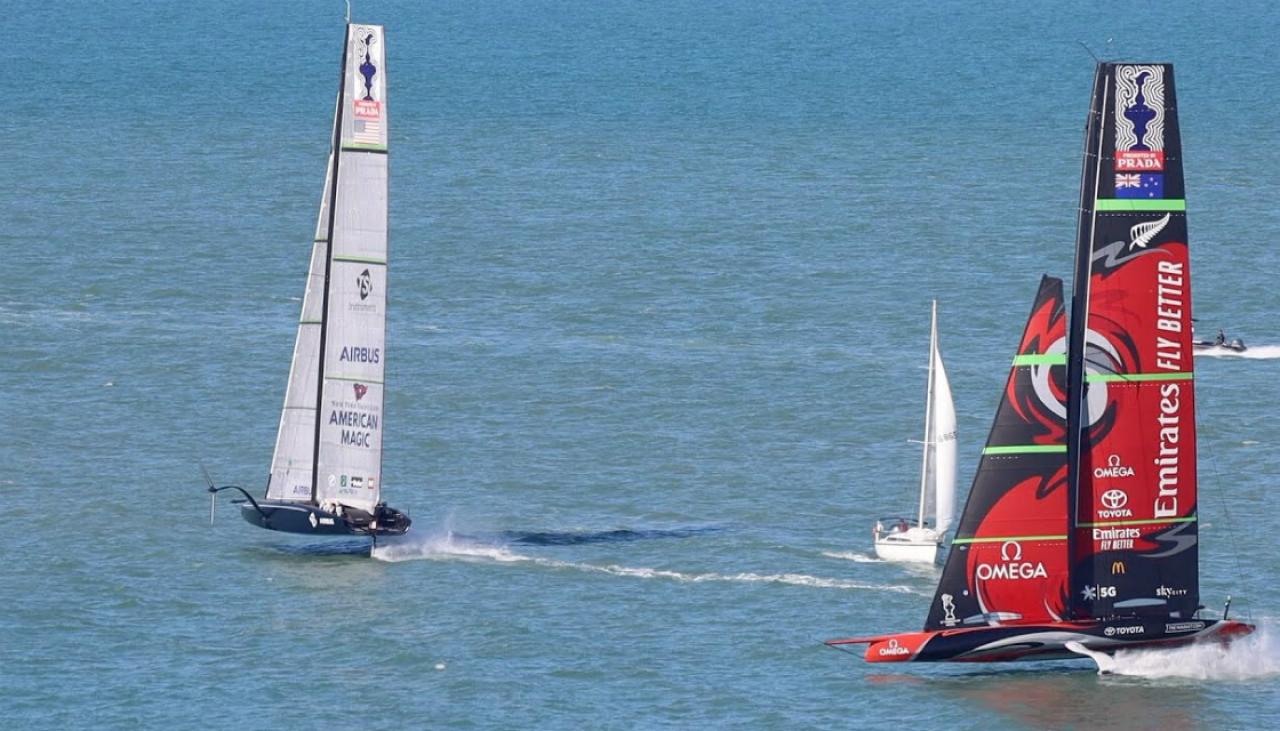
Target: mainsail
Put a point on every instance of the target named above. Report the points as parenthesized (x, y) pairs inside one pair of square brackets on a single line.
[(938, 469), (1008, 559), (329, 444), (1132, 429)]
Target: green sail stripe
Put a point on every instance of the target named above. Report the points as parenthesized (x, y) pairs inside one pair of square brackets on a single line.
[(1027, 449), (1005, 539), (310, 322), (299, 408), (362, 147), (1114, 377), (1154, 521), (1141, 204), (328, 377), (361, 260), (1030, 359)]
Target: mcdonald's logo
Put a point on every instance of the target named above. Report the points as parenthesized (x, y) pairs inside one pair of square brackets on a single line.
[(1117, 568)]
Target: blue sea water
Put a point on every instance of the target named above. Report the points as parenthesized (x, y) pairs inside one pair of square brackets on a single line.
[(660, 286)]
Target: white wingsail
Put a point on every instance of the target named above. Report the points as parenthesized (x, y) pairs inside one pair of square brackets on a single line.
[(340, 352)]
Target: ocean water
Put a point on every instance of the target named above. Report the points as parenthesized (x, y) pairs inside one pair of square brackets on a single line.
[(660, 288)]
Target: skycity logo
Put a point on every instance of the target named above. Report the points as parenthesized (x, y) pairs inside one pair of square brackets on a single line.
[(1011, 565)]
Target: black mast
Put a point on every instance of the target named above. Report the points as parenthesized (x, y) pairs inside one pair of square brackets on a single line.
[(328, 260), (1077, 389)]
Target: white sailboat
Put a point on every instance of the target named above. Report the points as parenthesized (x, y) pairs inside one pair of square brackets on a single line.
[(326, 470), (917, 540)]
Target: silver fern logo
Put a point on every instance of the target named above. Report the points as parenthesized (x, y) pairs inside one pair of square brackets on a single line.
[(1141, 234)]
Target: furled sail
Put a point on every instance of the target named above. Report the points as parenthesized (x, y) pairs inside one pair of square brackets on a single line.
[(1008, 561), (1132, 434), (329, 448)]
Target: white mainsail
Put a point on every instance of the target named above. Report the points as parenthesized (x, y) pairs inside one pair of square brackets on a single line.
[(340, 353), (938, 469), (944, 442)]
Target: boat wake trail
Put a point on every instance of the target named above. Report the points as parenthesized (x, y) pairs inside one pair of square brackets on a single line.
[(1246, 658), (1254, 352), (621, 535), (852, 556), (447, 546)]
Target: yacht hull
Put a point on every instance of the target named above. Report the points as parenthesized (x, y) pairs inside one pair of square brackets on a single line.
[(1044, 641)]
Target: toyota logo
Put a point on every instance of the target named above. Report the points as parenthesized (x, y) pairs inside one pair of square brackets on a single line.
[(1114, 499)]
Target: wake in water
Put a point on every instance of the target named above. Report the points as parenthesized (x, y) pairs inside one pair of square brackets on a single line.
[(446, 545), (621, 535), (1246, 658), (1254, 352), (853, 556)]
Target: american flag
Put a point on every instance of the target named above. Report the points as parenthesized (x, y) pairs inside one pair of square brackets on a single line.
[(367, 132)]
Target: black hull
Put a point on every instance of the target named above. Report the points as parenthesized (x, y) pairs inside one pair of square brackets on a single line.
[(1048, 641), (305, 519)]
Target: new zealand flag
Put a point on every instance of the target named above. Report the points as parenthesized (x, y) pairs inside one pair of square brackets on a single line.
[(1139, 185)]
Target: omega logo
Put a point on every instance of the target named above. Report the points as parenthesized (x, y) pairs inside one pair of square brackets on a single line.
[(1017, 551)]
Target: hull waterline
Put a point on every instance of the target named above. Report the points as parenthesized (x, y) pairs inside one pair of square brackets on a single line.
[(306, 519), (1047, 641)]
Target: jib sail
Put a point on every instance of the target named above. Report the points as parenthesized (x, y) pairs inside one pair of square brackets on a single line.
[(1008, 562)]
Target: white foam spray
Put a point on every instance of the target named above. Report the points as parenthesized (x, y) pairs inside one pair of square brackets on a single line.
[(1253, 352), (1245, 658), (852, 556), (444, 545)]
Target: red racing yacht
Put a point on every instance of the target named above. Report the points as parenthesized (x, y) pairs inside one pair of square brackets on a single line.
[(1080, 531)]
